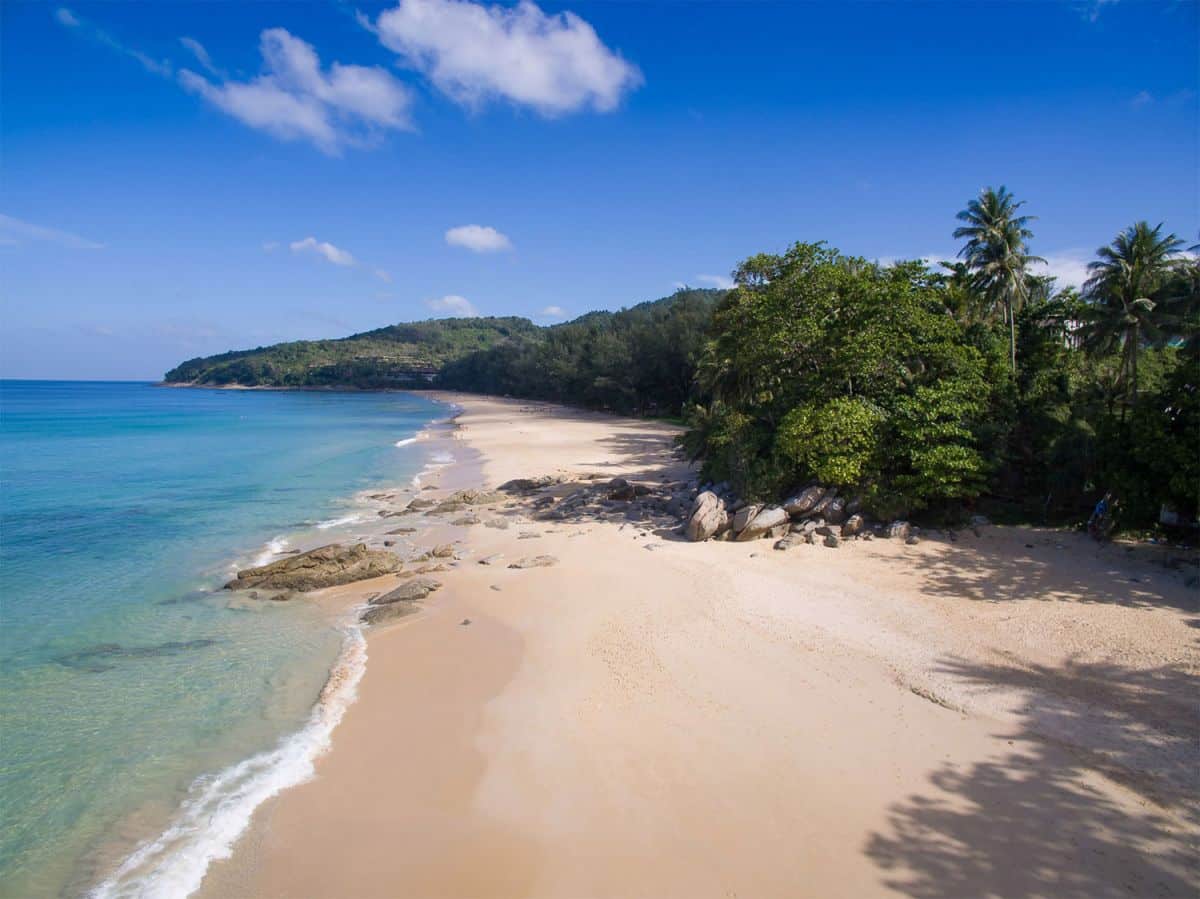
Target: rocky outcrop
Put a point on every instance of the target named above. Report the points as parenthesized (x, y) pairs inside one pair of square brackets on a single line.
[(526, 485), (852, 526), (743, 516), (762, 523), (708, 517), (535, 562), (804, 501), (409, 591), (327, 566)]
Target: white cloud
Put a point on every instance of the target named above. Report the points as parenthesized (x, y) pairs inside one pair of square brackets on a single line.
[(454, 306), (68, 19), (294, 99), (554, 63), (1090, 9), (1067, 267), (480, 238), (14, 230), (383, 275), (197, 50), (719, 281), (553, 312), (326, 250)]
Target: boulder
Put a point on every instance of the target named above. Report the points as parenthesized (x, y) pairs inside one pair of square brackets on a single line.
[(418, 504), (899, 530), (390, 612), (912, 540), (500, 524), (621, 489), (789, 541), (708, 517), (326, 566), (744, 515), (444, 551), (465, 521), (821, 508), (524, 485), (825, 530), (409, 591), (853, 525), (835, 511), (535, 562), (803, 501), (833, 541), (766, 520)]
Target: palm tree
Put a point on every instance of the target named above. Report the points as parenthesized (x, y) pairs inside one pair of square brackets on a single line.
[(995, 253), (1124, 280)]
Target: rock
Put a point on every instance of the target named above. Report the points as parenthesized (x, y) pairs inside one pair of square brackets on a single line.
[(543, 502), (464, 622), (444, 551), (409, 591), (418, 504), (465, 521), (621, 489), (402, 531), (474, 497), (789, 542), (912, 539), (825, 530), (528, 535), (780, 530), (492, 559), (743, 516), (524, 485), (447, 506), (866, 535), (833, 541), (804, 501), (500, 524), (390, 612), (979, 521), (762, 523), (853, 525), (534, 562), (899, 530), (810, 537), (708, 517), (326, 566), (389, 542), (835, 511), (823, 506)]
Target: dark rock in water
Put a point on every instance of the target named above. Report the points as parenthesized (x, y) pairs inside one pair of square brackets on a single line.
[(327, 566), (534, 562), (410, 591), (93, 659)]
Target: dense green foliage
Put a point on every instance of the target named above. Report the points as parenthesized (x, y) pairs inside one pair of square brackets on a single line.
[(918, 390), (396, 356), (637, 361)]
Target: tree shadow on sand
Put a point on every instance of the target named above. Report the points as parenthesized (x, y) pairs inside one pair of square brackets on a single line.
[(1045, 819)]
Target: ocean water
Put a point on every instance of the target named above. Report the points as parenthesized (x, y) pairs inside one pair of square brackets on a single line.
[(143, 711)]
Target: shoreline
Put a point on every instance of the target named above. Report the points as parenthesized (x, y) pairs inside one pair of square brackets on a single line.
[(174, 861), (590, 728)]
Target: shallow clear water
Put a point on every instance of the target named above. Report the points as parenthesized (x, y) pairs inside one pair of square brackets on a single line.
[(124, 672)]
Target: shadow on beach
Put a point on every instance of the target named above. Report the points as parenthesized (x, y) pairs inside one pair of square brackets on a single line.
[(1032, 822)]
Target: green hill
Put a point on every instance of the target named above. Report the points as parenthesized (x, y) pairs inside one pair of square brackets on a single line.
[(395, 356)]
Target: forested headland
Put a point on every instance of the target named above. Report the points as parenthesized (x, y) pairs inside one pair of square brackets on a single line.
[(932, 389)]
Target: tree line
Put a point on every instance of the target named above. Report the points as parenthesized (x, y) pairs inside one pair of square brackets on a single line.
[(975, 384)]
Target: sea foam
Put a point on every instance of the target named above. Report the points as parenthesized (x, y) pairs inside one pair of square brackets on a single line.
[(219, 807)]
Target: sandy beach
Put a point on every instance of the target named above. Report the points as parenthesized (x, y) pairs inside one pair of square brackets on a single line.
[(1002, 712)]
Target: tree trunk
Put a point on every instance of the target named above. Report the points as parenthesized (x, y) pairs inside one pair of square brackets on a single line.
[(1133, 360), (1012, 333)]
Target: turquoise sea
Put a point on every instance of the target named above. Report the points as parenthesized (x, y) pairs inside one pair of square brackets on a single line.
[(143, 711)]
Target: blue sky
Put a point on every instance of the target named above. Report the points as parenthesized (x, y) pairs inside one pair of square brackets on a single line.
[(184, 178)]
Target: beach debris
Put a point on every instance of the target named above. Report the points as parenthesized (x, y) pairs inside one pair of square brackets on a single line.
[(326, 566), (534, 562), (496, 587), (410, 591), (464, 622)]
